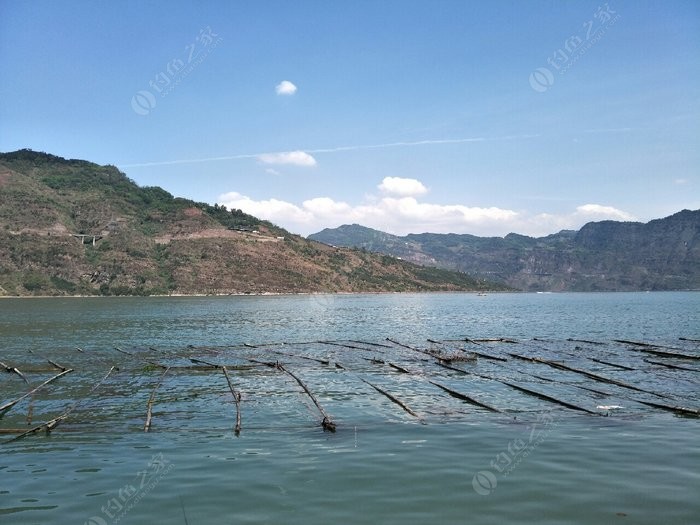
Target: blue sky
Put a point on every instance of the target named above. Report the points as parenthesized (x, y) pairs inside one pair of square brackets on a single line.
[(408, 116)]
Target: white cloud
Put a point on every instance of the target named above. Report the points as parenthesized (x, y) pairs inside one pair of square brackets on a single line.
[(285, 88), (680, 181), (403, 215), (402, 187), (296, 158), (598, 212), (546, 223), (325, 207), (277, 211), (396, 215), (272, 171)]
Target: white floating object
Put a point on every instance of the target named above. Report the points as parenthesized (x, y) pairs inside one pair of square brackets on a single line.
[(609, 407)]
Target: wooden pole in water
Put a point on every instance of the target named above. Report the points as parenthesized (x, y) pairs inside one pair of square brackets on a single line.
[(479, 354), (322, 361), (548, 398), (585, 341), (678, 410), (15, 370), (394, 399), (621, 367), (398, 368), (520, 389), (661, 353), (236, 394), (237, 399), (50, 425), (60, 367), (333, 343), (669, 365), (7, 406), (464, 397), (326, 422), (149, 407), (586, 373), (371, 344)]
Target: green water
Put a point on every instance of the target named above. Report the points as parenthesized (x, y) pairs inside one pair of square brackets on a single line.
[(534, 462)]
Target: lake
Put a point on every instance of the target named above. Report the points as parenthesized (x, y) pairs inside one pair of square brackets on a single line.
[(529, 441)]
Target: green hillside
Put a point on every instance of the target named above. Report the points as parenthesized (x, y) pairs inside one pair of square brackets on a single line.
[(75, 227)]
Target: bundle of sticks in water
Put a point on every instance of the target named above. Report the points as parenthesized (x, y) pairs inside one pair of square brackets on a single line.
[(523, 367)]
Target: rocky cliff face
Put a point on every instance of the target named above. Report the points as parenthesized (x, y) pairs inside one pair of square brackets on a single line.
[(663, 254)]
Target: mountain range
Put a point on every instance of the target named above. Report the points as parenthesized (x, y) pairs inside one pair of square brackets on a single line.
[(72, 227), (663, 254)]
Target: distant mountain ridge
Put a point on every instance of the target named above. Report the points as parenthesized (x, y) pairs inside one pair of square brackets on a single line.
[(663, 254), (72, 227)]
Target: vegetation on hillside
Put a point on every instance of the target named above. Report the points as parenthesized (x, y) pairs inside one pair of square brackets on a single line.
[(663, 254), (74, 227)]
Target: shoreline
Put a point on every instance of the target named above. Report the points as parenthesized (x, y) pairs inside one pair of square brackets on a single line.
[(261, 294), (294, 294)]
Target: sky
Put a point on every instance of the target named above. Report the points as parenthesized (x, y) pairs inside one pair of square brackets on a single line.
[(480, 117)]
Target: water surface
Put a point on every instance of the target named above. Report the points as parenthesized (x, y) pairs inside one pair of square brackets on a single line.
[(533, 462)]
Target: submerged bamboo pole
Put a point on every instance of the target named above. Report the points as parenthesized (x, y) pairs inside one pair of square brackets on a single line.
[(488, 356), (52, 363), (520, 389), (326, 422), (15, 370), (585, 341), (393, 398), (548, 398), (669, 365), (237, 399), (60, 367), (399, 368), (7, 406), (149, 407), (153, 363), (478, 354), (678, 410), (661, 353), (204, 362), (495, 340), (548, 380), (370, 344), (333, 343), (419, 350), (586, 373), (464, 397), (621, 367), (50, 425), (234, 392), (322, 361)]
